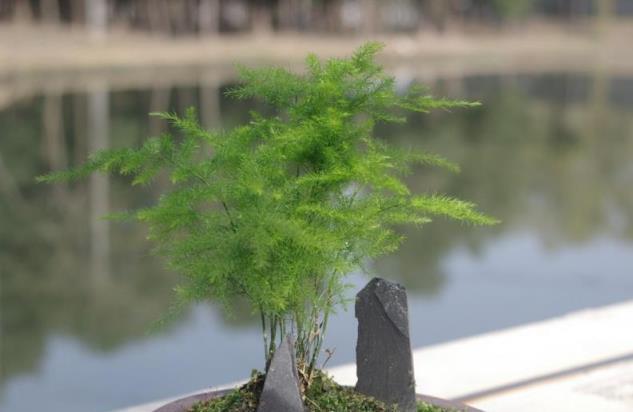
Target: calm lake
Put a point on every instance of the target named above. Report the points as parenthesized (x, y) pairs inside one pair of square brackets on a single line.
[(550, 154)]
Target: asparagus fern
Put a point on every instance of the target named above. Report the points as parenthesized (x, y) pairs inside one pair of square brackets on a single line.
[(279, 210)]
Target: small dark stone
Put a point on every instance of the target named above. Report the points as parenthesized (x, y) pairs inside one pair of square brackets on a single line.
[(281, 386), (384, 365)]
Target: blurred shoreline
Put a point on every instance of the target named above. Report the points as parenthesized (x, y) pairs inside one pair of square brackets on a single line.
[(28, 49), (38, 59)]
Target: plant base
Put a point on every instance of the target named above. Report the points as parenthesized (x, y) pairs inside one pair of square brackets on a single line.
[(323, 395)]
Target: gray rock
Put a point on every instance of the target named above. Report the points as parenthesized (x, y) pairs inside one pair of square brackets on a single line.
[(281, 388), (384, 365)]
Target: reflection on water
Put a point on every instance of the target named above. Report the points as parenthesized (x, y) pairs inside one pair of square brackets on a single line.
[(548, 154)]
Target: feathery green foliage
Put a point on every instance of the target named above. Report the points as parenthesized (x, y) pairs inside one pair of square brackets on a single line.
[(279, 210)]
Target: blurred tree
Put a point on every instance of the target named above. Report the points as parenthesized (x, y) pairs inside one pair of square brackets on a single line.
[(97, 17), (209, 16), (22, 11), (178, 17), (438, 12), (49, 11), (370, 16), (511, 9), (605, 12), (77, 11), (261, 17), (288, 14)]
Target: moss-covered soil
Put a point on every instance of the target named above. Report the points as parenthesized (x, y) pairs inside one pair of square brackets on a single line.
[(323, 395)]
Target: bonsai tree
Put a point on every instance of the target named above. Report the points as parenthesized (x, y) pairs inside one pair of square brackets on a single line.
[(280, 210)]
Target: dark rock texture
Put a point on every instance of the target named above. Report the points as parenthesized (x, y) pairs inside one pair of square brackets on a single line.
[(384, 365), (281, 387)]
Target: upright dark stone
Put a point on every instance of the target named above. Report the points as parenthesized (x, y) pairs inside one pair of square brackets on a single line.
[(281, 387), (384, 365)]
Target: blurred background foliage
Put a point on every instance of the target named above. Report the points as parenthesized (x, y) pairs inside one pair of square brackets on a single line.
[(208, 17)]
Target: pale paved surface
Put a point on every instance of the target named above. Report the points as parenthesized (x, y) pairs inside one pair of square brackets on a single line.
[(523, 368), (608, 389)]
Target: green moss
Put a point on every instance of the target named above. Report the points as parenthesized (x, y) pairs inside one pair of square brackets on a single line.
[(323, 395), (243, 399)]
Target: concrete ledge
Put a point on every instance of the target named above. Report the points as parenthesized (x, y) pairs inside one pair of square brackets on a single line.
[(502, 365), (608, 389), (579, 362)]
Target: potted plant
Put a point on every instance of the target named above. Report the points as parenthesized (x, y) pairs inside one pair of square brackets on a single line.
[(279, 210)]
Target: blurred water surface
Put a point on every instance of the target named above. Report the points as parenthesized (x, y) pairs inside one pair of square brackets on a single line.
[(548, 153)]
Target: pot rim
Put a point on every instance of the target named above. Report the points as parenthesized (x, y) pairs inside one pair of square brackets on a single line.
[(181, 405)]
